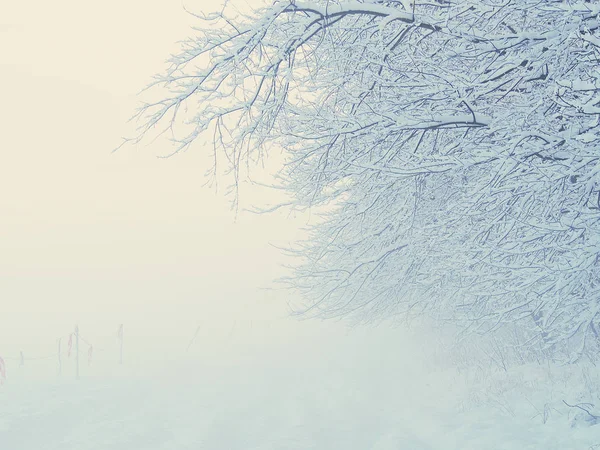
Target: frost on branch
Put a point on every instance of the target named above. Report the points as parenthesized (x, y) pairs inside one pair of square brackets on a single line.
[(455, 144)]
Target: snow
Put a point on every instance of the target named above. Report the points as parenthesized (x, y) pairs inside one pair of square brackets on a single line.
[(356, 7), (367, 389)]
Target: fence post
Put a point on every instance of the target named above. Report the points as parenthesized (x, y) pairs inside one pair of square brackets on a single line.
[(193, 338), (77, 351), (120, 334), (59, 357)]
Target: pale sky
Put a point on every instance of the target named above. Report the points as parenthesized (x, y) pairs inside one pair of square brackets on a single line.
[(96, 238)]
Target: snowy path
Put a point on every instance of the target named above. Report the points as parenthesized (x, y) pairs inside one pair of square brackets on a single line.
[(279, 411)]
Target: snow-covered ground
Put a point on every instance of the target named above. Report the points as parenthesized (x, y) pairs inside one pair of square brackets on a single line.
[(363, 390)]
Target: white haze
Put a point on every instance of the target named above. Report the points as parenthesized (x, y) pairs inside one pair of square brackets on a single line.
[(210, 357), (97, 239)]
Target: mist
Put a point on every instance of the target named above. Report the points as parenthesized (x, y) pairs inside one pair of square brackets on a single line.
[(142, 308), (96, 238)]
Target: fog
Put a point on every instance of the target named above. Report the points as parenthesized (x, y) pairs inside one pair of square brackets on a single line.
[(210, 356), (96, 238)]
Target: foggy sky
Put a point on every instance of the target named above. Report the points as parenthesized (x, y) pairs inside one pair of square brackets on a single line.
[(96, 238)]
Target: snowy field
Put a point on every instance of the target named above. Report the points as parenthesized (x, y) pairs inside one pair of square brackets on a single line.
[(319, 391)]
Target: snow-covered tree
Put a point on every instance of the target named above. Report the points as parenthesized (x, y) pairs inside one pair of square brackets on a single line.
[(454, 146)]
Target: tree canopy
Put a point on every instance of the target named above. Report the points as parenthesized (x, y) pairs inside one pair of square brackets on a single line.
[(454, 143)]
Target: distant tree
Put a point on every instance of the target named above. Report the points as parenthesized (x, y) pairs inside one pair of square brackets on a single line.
[(455, 146)]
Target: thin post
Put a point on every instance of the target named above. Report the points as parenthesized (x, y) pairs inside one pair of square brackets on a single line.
[(194, 338), (77, 352), (59, 358), (121, 344)]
